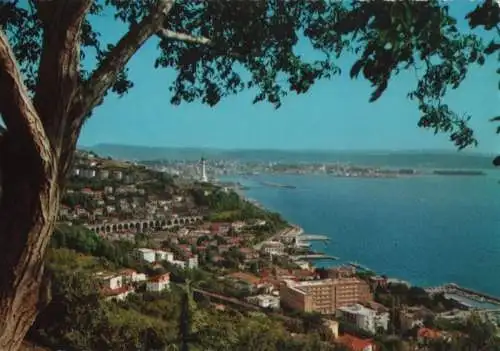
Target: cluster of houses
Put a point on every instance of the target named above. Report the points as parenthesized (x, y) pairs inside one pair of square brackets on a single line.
[(118, 285), (155, 256), (219, 238), (121, 202), (119, 196)]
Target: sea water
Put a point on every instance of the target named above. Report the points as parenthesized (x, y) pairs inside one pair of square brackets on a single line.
[(428, 230)]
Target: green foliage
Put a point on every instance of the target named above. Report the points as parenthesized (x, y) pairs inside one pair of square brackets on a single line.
[(253, 46), (475, 334), (87, 242), (78, 183), (74, 199), (413, 296), (229, 206), (78, 319)]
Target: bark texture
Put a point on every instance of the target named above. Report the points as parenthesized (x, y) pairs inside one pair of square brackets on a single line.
[(37, 148)]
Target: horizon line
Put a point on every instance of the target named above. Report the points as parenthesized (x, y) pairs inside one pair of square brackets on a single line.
[(448, 151)]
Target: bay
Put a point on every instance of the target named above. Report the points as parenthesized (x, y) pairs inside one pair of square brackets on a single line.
[(428, 230)]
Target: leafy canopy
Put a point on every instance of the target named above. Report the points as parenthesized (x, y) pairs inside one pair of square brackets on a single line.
[(221, 47)]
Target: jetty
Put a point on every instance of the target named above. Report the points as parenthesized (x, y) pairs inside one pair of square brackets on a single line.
[(312, 237), (359, 266), (314, 257)]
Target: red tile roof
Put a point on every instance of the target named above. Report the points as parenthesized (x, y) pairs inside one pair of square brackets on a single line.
[(128, 272), (428, 333), (161, 278), (354, 343), (114, 292)]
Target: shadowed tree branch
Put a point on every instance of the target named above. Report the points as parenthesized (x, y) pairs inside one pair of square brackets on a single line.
[(58, 72), (91, 92), (115, 61)]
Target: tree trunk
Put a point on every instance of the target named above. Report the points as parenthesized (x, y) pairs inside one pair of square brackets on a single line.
[(37, 148), (29, 204)]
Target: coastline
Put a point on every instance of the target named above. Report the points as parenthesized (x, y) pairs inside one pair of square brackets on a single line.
[(469, 297)]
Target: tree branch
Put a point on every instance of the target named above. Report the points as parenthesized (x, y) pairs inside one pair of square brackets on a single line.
[(187, 38), (105, 75), (58, 73), (91, 92), (168, 34), (17, 110)]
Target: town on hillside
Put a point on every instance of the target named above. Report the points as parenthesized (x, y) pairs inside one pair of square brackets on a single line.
[(139, 233)]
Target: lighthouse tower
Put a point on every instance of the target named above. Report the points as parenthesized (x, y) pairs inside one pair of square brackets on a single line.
[(204, 178)]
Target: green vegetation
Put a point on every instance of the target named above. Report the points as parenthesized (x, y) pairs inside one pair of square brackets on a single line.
[(148, 321), (86, 242), (229, 207), (401, 294)]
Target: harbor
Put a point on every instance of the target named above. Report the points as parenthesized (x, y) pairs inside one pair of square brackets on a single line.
[(469, 298)]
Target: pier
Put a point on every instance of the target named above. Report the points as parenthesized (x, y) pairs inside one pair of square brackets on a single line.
[(312, 237), (314, 257)]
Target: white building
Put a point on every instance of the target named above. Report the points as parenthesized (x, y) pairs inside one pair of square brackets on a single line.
[(110, 281), (265, 301), (159, 283), (147, 255), (152, 255), (118, 175), (364, 318), (88, 173), (113, 287), (181, 264), (131, 276), (161, 255), (192, 262), (273, 248)]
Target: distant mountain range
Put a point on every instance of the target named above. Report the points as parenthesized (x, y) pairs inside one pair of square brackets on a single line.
[(413, 159)]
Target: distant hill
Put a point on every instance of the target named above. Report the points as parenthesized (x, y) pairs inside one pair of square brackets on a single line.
[(414, 159)]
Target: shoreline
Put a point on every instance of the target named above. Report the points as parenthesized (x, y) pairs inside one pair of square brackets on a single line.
[(470, 294)]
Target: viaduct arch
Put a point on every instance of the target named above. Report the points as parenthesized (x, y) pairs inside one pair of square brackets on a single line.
[(144, 224)]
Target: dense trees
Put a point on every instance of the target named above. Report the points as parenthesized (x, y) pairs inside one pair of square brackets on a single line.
[(84, 241), (229, 206), (217, 48)]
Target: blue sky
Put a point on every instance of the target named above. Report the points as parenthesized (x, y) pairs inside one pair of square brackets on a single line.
[(334, 114)]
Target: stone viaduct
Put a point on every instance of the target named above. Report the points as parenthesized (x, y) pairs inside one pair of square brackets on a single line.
[(138, 225)]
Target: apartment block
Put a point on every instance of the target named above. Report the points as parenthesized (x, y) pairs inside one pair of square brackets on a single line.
[(324, 296), (364, 318)]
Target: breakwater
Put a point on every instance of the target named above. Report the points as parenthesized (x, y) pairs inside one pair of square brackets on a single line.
[(470, 294), (277, 185)]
